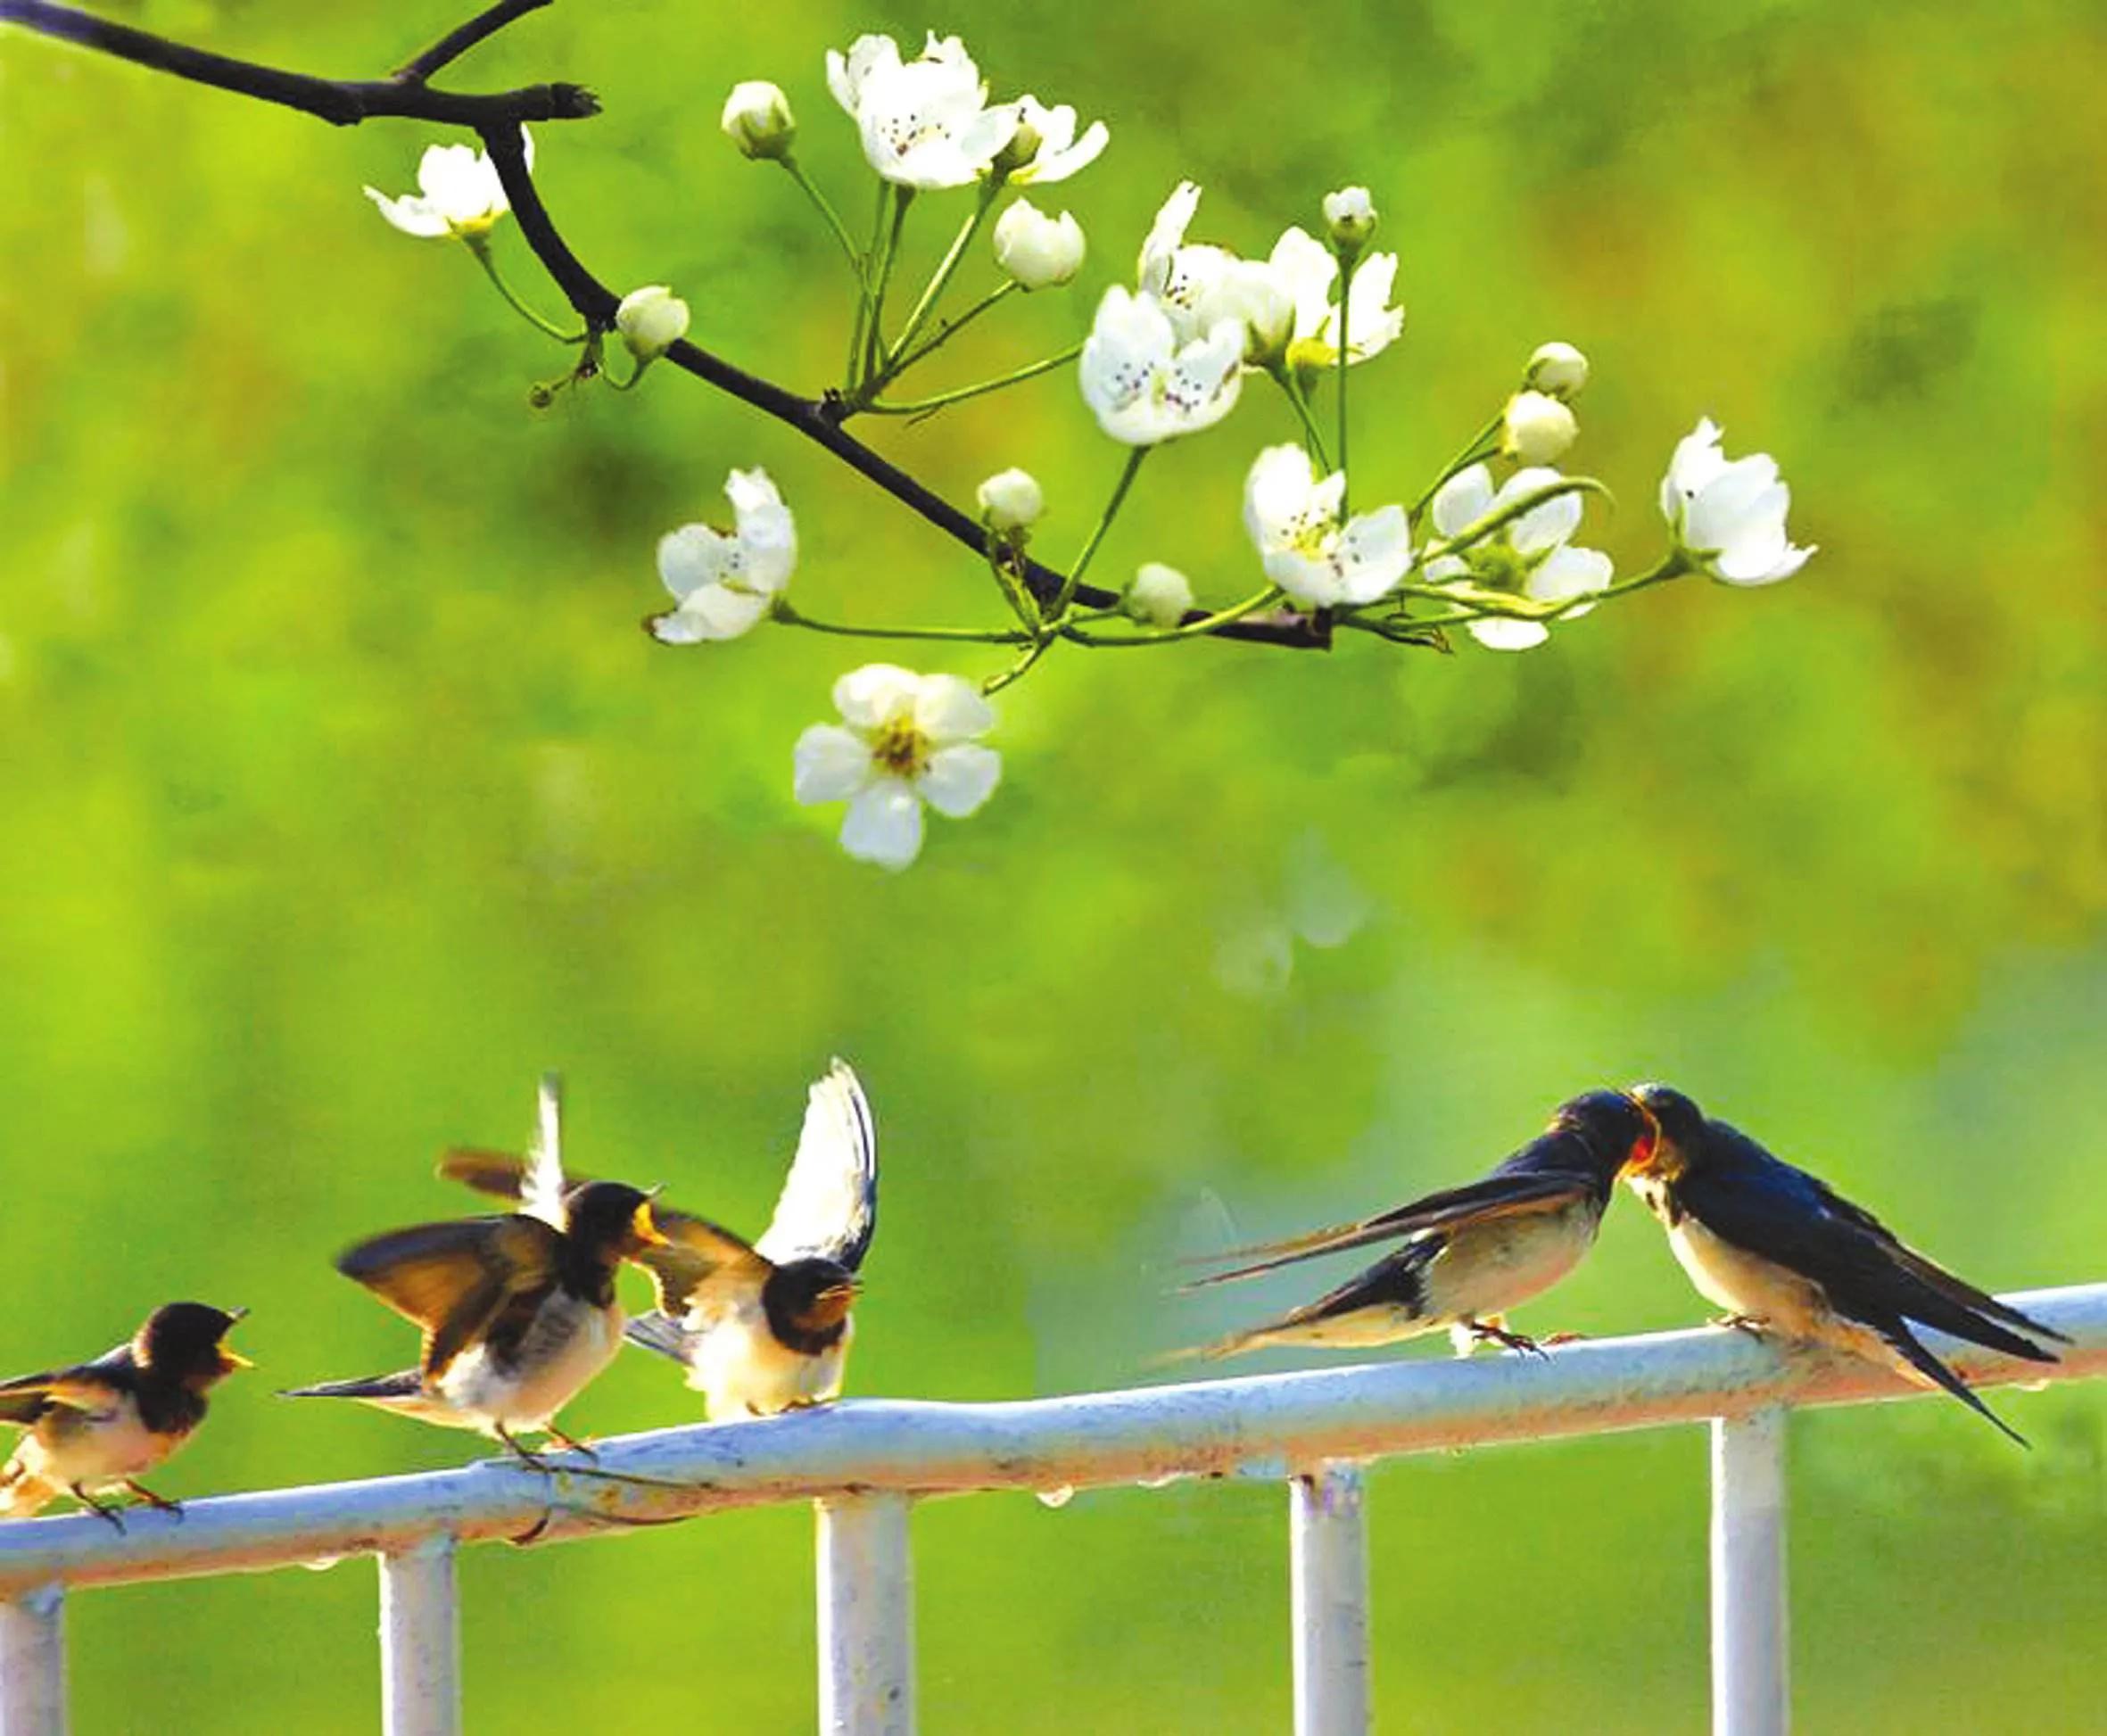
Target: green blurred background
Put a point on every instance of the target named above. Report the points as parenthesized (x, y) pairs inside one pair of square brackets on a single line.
[(342, 795)]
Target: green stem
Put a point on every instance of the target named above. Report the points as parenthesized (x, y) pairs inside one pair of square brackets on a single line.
[(939, 279), (1056, 613), (1480, 529), (1286, 376), (1672, 565), (853, 373), (1472, 452), (1347, 261), (1206, 623), (789, 617), (824, 206), (1105, 523), (874, 335), (479, 245), (923, 406), (950, 328)]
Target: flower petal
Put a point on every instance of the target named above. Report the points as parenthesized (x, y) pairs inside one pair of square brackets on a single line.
[(1375, 552), (1499, 632), (1463, 499), (950, 708), (883, 824), (876, 695), (959, 778), (828, 763), (692, 556), (710, 612), (411, 214)]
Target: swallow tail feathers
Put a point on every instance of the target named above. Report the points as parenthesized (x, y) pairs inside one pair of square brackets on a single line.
[(375, 1389), (660, 1332)]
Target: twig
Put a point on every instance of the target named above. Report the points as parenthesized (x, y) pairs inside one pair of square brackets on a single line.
[(496, 119)]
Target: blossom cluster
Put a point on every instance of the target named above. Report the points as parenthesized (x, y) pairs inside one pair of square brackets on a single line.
[(1493, 546)]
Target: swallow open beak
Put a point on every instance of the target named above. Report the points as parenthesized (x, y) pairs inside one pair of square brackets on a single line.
[(645, 1225), (1649, 1142)]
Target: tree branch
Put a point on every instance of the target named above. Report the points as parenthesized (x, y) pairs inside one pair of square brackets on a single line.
[(496, 119)]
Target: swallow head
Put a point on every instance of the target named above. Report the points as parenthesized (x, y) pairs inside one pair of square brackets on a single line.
[(815, 1295), (614, 1218), (1618, 1129), (183, 1341), (1678, 1126)]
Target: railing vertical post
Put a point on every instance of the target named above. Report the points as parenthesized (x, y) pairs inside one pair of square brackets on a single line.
[(33, 1662), (866, 1590), (420, 1637), (1328, 1570), (1749, 1692)]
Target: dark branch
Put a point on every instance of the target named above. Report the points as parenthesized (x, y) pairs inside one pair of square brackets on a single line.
[(496, 119), (456, 43), (341, 102)]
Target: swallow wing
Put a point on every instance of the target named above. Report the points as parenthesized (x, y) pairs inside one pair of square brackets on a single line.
[(1501, 1194), (1771, 1209), (26, 1397), (829, 1206), (700, 1262), (451, 1278), (531, 1183)]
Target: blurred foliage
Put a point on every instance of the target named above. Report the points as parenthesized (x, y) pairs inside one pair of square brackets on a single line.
[(342, 795)]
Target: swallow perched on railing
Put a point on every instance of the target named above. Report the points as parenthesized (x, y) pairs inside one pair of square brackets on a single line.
[(762, 1327), (519, 1312), (1470, 1253), (1781, 1251), (100, 1424)]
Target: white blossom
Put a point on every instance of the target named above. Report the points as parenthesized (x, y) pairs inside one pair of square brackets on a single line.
[(1728, 518), (924, 122), (1190, 279), (1351, 215), (652, 320), (757, 119), (1045, 148), (1144, 386), (724, 582), (1037, 251), (1537, 428), (904, 739), (1306, 270), (1529, 556), (458, 192), (1011, 500), (1294, 517), (1160, 595), (1558, 369)]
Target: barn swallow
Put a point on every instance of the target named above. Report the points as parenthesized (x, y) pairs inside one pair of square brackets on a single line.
[(1781, 1251), (101, 1424), (518, 1312), (762, 1327), (1470, 1253)]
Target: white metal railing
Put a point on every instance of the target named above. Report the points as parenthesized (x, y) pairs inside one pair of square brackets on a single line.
[(865, 1462)]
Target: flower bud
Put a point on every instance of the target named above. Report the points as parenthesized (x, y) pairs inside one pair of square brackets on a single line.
[(1011, 500), (1351, 214), (1037, 251), (1537, 429), (757, 119), (1558, 369), (1160, 595), (1024, 145), (652, 320)]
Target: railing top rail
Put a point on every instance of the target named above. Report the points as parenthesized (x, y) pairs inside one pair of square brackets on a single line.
[(1270, 1424)]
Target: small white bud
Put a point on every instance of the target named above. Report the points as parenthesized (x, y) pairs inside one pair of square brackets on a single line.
[(1011, 500), (1024, 145), (1351, 214), (652, 320), (1558, 369), (757, 119), (1537, 429), (1160, 595), (1037, 251)]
